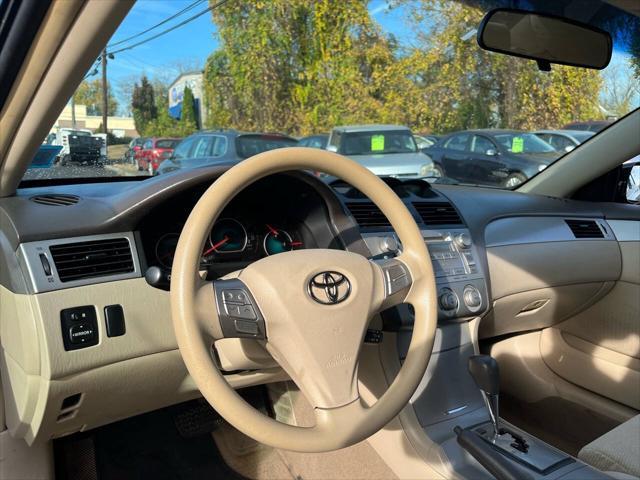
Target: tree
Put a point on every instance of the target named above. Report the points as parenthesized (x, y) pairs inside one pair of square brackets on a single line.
[(294, 66), (89, 93), (188, 120), (143, 104)]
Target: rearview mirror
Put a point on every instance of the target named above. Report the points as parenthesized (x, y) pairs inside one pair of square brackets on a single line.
[(491, 152), (544, 38)]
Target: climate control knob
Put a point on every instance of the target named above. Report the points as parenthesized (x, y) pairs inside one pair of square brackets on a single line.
[(472, 298), (463, 240), (448, 300)]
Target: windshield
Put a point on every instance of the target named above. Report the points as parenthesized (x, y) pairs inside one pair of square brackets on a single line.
[(523, 143), (365, 74), (378, 143)]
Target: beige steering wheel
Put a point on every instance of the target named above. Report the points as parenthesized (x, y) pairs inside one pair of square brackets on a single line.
[(310, 308)]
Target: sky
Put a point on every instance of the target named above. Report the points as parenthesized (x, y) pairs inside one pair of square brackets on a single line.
[(188, 47)]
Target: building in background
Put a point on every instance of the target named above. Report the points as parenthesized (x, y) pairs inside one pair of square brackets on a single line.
[(193, 80), (118, 126)]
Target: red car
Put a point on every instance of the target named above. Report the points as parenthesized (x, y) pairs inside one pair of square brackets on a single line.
[(153, 152)]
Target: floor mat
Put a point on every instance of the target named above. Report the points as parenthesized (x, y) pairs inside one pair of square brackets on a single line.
[(143, 447)]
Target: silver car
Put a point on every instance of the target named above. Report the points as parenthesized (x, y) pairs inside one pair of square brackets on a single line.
[(386, 150)]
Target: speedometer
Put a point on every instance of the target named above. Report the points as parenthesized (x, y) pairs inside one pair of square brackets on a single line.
[(227, 236)]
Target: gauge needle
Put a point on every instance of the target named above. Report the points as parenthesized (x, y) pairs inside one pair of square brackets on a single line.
[(216, 245), (296, 244), (273, 231)]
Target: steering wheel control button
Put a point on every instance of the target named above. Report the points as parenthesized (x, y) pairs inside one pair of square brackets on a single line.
[(243, 326), (247, 312), (237, 297), (396, 276), (79, 327), (114, 320), (237, 312)]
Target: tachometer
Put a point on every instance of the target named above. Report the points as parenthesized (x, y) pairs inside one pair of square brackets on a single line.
[(278, 241), (227, 236), (166, 249)]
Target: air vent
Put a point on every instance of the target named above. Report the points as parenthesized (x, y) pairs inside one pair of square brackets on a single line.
[(367, 214), (97, 258), (56, 200), (585, 229), (437, 213)]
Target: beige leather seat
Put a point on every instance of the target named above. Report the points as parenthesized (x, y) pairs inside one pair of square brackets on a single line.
[(617, 450)]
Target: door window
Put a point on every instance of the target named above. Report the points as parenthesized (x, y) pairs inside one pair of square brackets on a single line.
[(482, 145), (458, 142)]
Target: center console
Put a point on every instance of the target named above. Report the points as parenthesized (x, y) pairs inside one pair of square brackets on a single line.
[(462, 290)]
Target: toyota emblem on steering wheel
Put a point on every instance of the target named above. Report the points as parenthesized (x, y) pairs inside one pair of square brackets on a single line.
[(329, 288)]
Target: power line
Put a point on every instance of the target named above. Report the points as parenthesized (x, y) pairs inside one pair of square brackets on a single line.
[(177, 14), (181, 24)]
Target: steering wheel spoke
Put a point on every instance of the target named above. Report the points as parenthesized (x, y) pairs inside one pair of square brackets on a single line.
[(392, 284)]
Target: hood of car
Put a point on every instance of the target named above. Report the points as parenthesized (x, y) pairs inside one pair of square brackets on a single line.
[(393, 164)]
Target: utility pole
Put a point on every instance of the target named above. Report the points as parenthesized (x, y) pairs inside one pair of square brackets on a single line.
[(105, 97), (73, 110)]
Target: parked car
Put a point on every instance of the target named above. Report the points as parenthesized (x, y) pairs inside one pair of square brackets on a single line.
[(564, 140), (591, 125), (314, 141), (386, 150), (134, 146), (222, 146), (153, 152), (504, 158)]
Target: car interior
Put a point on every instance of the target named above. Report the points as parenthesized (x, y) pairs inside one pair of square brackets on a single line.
[(256, 321)]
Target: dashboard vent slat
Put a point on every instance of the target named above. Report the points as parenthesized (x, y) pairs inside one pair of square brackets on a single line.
[(585, 228), (98, 258), (55, 200), (437, 213), (367, 214)]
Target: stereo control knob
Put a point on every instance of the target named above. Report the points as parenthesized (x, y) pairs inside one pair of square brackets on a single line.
[(389, 244), (472, 298), (463, 240), (448, 300)]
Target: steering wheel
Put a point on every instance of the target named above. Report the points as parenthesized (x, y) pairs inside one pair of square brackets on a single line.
[(309, 308)]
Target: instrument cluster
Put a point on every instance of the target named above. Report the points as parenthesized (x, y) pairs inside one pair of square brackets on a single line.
[(231, 239)]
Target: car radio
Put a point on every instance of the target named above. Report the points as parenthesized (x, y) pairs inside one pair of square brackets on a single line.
[(462, 291)]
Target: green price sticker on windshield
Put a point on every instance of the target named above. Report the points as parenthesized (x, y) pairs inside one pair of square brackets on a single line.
[(377, 143), (517, 145)]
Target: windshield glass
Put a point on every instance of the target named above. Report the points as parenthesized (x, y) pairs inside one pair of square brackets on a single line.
[(213, 80), (378, 143), (523, 143)]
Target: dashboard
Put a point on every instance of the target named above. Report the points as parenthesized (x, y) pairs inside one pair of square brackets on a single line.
[(88, 255)]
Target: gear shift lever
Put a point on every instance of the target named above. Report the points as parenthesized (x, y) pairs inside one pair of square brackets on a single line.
[(485, 372)]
